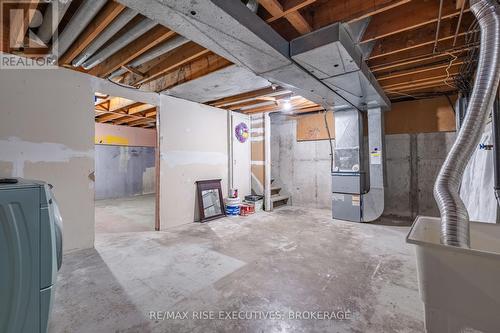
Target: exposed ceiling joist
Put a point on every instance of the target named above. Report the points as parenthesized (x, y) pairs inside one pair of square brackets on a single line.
[(199, 67), (407, 17), (149, 40), (296, 19), (176, 58)]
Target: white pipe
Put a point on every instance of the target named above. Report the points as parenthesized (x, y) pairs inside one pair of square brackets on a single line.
[(125, 17), (50, 23), (84, 14), (153, 53), (131, 35)]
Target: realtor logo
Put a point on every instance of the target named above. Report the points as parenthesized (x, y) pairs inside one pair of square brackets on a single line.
[(29, 34)]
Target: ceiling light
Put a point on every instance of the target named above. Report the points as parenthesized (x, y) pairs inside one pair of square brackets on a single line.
[(287, 106)]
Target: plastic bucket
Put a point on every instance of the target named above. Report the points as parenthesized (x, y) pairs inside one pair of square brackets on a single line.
[(460, 287)]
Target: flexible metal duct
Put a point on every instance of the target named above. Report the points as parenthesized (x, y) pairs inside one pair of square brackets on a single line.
[(454, 216), (253, 5)]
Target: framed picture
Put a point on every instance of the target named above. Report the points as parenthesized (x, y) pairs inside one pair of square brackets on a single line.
[(211, 203)]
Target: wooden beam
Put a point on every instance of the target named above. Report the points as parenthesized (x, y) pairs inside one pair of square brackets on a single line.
[(110, 11), (296, 19), (199, 67), (419, 37), (141, 122), (458, 62), (141, 109), (273, 7), (290, 6), (419, 78), (147, 41), (409, 16), (118, 113), (299, 22), (421, 83), (325, 13), (419, 58), (244, 96), (178, 57)]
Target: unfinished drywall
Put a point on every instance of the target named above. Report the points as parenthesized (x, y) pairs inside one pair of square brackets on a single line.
[(413, 161), (47, 133), (107, 134), (193, 146)]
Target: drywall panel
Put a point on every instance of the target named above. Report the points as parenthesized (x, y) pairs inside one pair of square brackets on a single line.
[(122, 171), (313, 127), (193, 146), (107, 134), (47, 133), (421, 116)]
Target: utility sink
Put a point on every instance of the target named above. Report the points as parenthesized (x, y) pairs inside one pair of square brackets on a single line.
[(460, 287)]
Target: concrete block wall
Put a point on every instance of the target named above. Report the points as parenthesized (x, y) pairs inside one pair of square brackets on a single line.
[(413, 161)]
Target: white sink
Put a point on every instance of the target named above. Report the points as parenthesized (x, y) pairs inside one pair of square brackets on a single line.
[(460, 287)]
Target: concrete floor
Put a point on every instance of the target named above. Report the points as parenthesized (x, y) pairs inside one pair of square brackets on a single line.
[(292, 259), (125, 214)]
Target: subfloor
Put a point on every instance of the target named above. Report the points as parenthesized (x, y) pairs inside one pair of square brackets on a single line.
[(268, 265)]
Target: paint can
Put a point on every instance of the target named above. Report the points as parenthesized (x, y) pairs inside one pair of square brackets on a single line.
[(233, 193), (232, 206)]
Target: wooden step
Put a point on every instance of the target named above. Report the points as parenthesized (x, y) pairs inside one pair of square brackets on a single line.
[(275, 189), (278, 197)]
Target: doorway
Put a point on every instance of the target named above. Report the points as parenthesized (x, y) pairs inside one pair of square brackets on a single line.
[(126, 160)]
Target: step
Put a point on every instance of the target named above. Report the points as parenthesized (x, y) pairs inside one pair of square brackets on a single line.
[(275, 189), (278, 197)]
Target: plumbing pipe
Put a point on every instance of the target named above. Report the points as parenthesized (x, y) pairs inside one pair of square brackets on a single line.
[(454, 216), (50, 23), (434, 50), (459, 22), (125, 17), (84, 14), (131, 35), (155, 52)]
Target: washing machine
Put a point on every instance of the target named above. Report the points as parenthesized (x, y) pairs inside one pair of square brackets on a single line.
[(30, 254)]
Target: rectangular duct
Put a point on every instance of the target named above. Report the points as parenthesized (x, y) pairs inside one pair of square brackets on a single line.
[(332, 56)]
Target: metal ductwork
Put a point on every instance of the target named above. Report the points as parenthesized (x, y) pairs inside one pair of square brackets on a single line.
[(84, 14), (50, 23), (137, 31), (253, 5), (226, 28), (454, 216), (155, 52), (325, 66), (125, 17)]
